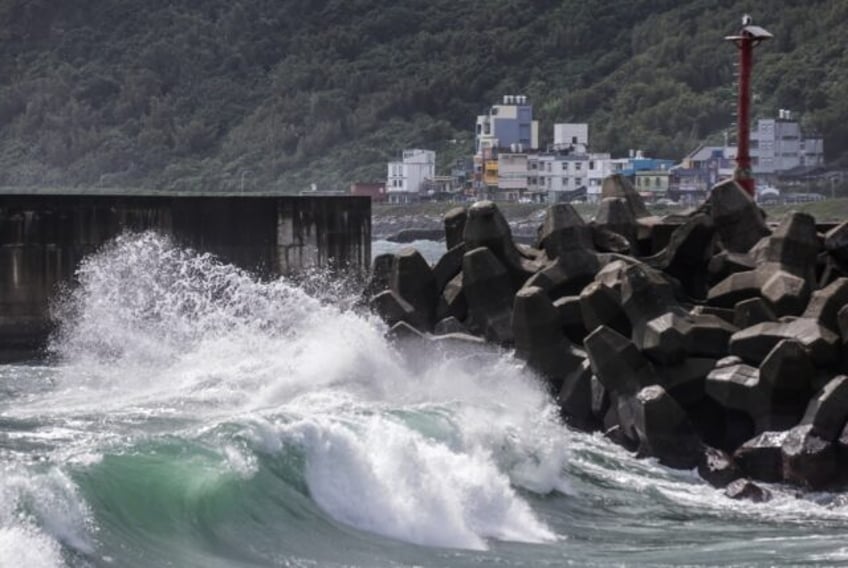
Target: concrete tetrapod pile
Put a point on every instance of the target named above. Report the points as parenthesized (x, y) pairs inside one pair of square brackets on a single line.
[(707, 341)]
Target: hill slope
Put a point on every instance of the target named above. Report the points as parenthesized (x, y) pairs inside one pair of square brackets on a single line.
[(274, 94)]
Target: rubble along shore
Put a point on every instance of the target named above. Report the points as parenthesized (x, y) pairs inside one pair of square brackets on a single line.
[(709, 341)]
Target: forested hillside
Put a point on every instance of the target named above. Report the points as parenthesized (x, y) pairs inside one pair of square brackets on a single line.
[(275, 94)]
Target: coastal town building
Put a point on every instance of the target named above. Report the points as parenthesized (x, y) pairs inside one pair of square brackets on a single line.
[(571, 136), (407, 177), (508, 164), (778, 144), (506, 126), (375, 190)]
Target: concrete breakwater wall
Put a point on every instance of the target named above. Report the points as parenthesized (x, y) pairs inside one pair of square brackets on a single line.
[(711, 340), (43, 238)]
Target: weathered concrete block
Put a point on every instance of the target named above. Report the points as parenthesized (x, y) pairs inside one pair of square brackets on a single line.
[(686, 381), (724, 263), (827, 411), (618, 186), (458, 340), (571, 318), (808, 460), (828, 270), (785, 270), (836, 243), (825, 304), (393, 309), (487, 227), (717, 467), (564, 231), (530, 253), (448, 266), (539, 338), (601, 398), (751, 312), (413, 280), (659, 325), (788, 367), (663, 339), (720, 427), (786, 293), (738, 221), (747, 490), (606, 240), (737, 387), (454, 221), (566, 275), (645, 292), (601, 305), (755, 342), (488, 290), (402, 331), (449, 325), (725, 314), (381, 275), (761, 457), (617, 363), (575, 398), (708, 335), (728, 361), (842, 323), (734, 289), (842, 456), (615, 215), (664, 430), (794, 246), (453, 302), (687, 254)]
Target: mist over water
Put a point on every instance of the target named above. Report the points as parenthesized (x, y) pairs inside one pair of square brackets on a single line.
[(193, 415)]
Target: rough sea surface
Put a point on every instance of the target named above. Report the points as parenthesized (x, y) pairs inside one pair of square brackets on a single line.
[(192, 416)]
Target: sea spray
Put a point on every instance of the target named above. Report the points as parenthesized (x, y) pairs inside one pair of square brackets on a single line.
[(154, 331), (194, 415)]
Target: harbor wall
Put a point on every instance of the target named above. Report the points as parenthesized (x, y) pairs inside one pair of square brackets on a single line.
[(43, 238)]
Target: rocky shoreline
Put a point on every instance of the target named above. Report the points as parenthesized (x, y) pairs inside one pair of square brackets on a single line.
[(710, 341)]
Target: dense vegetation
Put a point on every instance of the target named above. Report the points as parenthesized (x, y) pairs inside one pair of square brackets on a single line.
[(275, 94)]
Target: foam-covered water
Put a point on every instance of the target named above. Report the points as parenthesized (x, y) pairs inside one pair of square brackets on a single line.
[(194, 416)]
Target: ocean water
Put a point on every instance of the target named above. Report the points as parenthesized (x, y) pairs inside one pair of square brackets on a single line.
[(432, 251), (193, 416)]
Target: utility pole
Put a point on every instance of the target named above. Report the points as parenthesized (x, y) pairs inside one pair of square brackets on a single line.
[(746, 40)]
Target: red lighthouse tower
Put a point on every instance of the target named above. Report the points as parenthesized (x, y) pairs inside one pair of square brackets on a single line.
[(746, 40)]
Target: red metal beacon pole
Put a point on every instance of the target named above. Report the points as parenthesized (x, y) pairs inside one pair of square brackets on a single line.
[(747, 39)]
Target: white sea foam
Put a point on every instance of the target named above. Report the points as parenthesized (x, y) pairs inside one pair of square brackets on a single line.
[(38, 514), (429, 445), (157, 331)]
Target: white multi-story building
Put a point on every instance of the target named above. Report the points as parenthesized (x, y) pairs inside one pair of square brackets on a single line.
[(599, 167), (507, 126), (407, 178), (572, 136), (559, 174), (778, 145), (513, 176)]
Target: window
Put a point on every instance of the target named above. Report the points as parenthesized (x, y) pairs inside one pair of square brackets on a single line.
[(578, 182), (577, 166), (591, 164), (574, 139)]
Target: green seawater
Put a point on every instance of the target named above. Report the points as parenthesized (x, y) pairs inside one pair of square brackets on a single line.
[(192, 416)]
